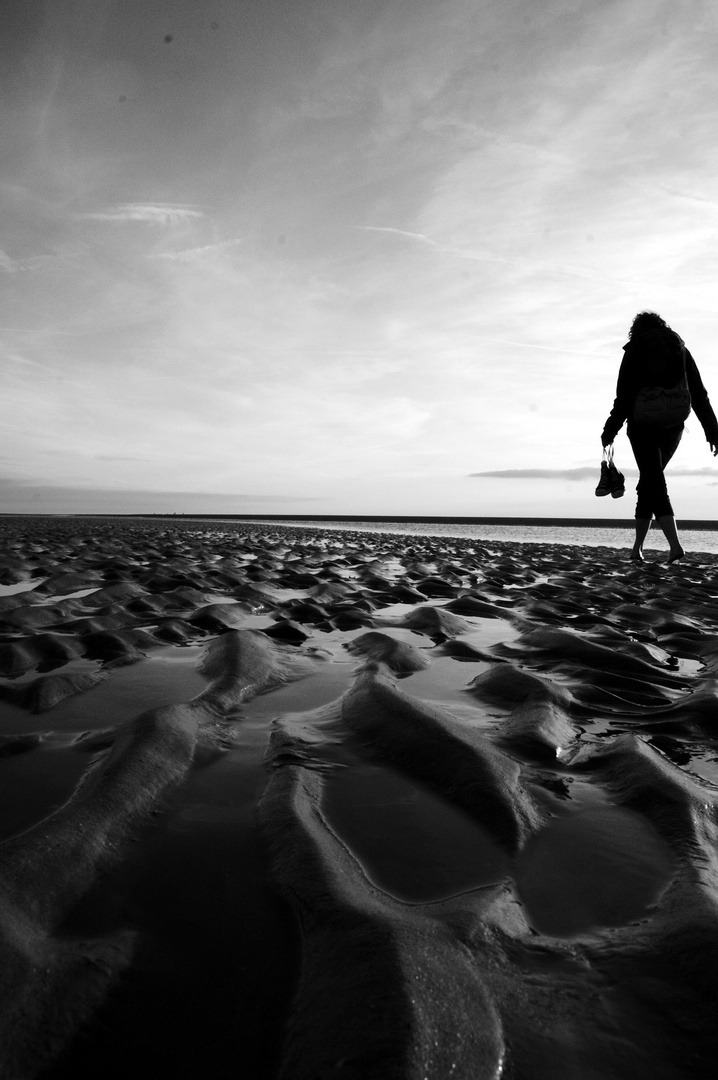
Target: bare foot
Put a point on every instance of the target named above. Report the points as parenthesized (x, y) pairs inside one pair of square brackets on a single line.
[(677, 554), (636, 555)]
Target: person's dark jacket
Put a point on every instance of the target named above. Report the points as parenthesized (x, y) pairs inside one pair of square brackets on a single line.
[(656, 358)]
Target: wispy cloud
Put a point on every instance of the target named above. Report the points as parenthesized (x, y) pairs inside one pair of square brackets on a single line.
[(6, 263), (400, 232), (581, 473), (155, 214), (491, 257), (119, 457), (533, 345), (706, 473), (190, 255), (19, 496), (584, 472)]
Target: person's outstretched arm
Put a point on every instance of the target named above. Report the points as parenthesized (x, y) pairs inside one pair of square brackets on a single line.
[(700, 404), (625, 393)]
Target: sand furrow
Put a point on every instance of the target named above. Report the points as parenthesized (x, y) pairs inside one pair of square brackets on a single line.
[(415, 1004)]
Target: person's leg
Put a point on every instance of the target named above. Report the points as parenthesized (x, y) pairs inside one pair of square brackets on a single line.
[(642, 527), (648, 460), (670, 531), (668, 444)]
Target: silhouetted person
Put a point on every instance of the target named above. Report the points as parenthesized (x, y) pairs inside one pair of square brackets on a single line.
[(656, 360)]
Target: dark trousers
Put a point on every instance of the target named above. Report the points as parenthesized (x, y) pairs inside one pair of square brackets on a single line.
[(653, 448)]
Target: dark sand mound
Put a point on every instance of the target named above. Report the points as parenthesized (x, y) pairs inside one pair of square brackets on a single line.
[(243, 663), (45, 693), (438, 623), (400, 656), (304, 803), (512, 686), (539, 729)]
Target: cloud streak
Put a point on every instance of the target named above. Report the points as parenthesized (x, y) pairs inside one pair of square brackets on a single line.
[(191, 255), (583, 472), (486, 256), (19, 497), (155, 214), (579, 473)]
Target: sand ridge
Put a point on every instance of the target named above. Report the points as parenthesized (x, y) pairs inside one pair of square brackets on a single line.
[(487, 797)]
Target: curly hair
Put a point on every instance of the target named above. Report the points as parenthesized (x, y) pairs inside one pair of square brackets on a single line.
[(646, 320)]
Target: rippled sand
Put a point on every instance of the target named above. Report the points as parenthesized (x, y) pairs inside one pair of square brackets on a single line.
[(281, 802)]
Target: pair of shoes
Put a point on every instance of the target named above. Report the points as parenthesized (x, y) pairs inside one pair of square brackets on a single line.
[(612, 481)]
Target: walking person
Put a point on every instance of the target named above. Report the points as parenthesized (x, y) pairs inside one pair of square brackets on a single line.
[(658, 385)]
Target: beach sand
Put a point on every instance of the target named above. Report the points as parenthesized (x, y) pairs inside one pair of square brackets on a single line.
[(300, 803)]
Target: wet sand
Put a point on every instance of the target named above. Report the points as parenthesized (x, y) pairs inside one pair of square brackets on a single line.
[(294, 803)]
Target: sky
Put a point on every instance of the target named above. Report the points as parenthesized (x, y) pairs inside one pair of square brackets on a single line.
[(347, 256)]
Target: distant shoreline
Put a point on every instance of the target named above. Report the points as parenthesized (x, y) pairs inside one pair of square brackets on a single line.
[(421, 519)]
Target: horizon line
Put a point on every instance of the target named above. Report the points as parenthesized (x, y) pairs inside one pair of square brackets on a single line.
[(402, 519)]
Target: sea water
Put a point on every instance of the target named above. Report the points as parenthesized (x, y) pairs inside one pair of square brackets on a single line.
[(572, 533)]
